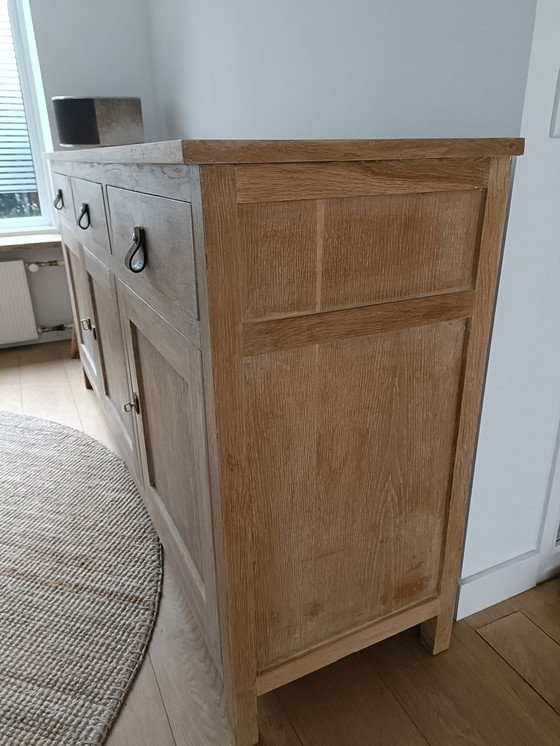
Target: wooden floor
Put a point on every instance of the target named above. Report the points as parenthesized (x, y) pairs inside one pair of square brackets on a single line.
[(499, 684)]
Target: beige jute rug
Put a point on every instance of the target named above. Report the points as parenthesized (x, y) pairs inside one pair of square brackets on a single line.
[(80, 579)]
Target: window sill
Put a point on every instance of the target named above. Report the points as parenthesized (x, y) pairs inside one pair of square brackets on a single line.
[(29, 241)]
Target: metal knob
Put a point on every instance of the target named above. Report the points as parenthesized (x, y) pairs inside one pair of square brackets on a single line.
[(134, 404)]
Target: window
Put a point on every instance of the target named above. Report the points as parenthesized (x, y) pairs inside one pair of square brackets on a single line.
[(24, 204)]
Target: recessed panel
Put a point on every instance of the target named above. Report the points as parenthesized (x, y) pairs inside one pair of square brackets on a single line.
[(391, 247), (279, 241), (350, 446), (170, 449)]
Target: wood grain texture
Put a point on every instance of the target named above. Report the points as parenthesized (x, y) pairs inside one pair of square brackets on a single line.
[(437, 633), (142, 718), (529, 651), (222, 249), (351, 445), (260, 337), (344, 645), (449, 699), (168, 281), (541, 605), (277, 183), (348, 704), (319, 255), (279, 257), (147, 178), (286, 151), (190, 684), (399, 246), (489, 664), (275, 728)]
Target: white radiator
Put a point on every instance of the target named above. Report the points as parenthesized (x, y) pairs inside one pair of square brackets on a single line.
[(17, 320)]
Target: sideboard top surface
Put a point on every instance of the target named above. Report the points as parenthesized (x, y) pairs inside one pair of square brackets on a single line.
[(290, 151)]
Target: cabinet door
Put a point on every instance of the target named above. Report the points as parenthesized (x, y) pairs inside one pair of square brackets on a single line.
[(84, 318), (113, 381), (166, 375)]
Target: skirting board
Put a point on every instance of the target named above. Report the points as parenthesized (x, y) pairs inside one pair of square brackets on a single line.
[(503, 581)]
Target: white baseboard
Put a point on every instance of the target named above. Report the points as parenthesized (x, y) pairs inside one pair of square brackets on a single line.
[(503, 581)]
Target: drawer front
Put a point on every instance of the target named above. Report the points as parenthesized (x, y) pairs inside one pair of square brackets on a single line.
[(62, 197), (89, 215), (167, 281)]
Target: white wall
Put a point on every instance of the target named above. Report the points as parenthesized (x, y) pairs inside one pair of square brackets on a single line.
[(522, 401), (328, 69), (95, 48)]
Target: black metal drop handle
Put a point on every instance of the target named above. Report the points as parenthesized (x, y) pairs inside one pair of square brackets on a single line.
[(58, 200), (84, 214), (136, 258)]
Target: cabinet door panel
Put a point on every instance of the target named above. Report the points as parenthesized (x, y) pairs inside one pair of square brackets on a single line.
[(114, 385), (84, 319), (166, 374)]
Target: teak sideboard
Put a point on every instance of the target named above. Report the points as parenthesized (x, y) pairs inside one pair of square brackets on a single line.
[(289, 340)]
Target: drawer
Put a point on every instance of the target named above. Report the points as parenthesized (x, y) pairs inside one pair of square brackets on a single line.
[(168, 281), (90, 205), (62, 197)]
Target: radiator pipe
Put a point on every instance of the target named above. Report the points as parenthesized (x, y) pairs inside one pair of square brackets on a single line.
[(36, 266), (55, 328)]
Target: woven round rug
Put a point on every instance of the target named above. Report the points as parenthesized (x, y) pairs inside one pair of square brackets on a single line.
[(80, 579)]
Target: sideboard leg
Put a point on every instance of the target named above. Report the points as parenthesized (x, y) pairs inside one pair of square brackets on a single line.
[(244, 723), (435, 634), (86, 381)]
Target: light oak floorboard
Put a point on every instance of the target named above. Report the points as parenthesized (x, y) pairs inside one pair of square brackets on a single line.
[(347, 704), (10, 398), (498, 611), (491, 665), (450, 699), (542, 606), (51, 401), (530, 651), (93, 423), (186, 675), (41, 364), (142, 719), (9, 367)]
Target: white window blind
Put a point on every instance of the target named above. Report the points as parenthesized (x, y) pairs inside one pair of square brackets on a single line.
[(17, 173)]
